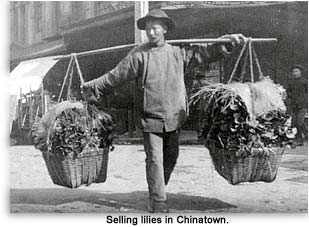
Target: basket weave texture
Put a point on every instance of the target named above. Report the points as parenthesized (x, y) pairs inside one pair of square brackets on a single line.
[(246, 169), (88, 167)]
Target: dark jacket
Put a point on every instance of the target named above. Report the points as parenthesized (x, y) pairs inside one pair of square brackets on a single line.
[(161, 72), (297, 91)]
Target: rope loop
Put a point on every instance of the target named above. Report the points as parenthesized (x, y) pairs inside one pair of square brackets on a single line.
[(250, 54), (69, 75)]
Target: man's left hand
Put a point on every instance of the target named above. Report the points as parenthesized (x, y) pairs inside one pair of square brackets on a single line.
[(236, 39)]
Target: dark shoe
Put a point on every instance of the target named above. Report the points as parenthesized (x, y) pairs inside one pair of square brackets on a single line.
[(158, 207)]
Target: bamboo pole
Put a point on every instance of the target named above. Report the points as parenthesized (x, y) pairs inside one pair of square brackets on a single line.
[(185, 41), (218, 40)]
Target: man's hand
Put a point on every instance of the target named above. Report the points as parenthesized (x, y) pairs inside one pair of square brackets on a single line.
[(236, 39)]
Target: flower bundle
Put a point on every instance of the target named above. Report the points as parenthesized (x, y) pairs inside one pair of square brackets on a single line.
[(231, 118), (71, 128)]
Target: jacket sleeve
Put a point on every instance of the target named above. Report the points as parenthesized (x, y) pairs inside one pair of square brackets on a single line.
[(126, 70), (205, 54)]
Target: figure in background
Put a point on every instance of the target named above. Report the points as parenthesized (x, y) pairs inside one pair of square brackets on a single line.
[(297, 90)]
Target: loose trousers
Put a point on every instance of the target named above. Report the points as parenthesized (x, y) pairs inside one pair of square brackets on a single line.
[(162, 151), (298, 120)]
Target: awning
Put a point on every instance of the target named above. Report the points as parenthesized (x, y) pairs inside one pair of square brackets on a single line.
[(28, 75), (20, 53)]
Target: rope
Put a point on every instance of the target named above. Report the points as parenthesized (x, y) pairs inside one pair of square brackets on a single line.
[(65, 78), (69, 74), (70, 83), (261, 75), (251, 53), (252, 102), (250, 60), (244, 67), (237, 62), (82, 81)]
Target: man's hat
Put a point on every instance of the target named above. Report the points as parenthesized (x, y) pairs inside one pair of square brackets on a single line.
[(156, 14)]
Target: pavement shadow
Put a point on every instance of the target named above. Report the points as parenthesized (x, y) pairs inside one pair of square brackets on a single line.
[(137, 200)]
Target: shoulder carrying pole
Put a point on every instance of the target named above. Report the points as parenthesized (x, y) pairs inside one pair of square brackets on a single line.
[(178, 41)]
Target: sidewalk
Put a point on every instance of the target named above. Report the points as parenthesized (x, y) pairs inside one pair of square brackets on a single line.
[(194, 186)]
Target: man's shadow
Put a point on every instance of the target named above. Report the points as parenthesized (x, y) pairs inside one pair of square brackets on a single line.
[(137, 200)]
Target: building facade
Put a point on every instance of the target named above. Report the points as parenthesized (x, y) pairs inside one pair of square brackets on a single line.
[(36, 28), (54, 27)]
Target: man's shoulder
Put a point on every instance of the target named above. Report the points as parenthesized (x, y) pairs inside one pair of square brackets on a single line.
[(138, 49), (297, 82), (301, 80), (141, 48), (175, 49)]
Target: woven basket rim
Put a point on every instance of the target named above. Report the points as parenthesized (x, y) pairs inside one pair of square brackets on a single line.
[(98, 152), (69, 171), (236, 169), (274, 150)]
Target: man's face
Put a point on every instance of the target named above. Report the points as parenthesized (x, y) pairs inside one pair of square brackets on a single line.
[(155, 30), (296, 73)]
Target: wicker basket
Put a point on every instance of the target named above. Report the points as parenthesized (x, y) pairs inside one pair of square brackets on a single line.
[(246, 169), (86, 168)]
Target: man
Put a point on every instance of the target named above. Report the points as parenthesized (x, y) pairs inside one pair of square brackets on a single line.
[(298, 98), (160, 67)]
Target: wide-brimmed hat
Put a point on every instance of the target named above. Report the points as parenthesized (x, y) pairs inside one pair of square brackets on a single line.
[(156, 14)]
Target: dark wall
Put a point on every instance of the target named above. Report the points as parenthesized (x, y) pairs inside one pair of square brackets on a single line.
[(287, 21)]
